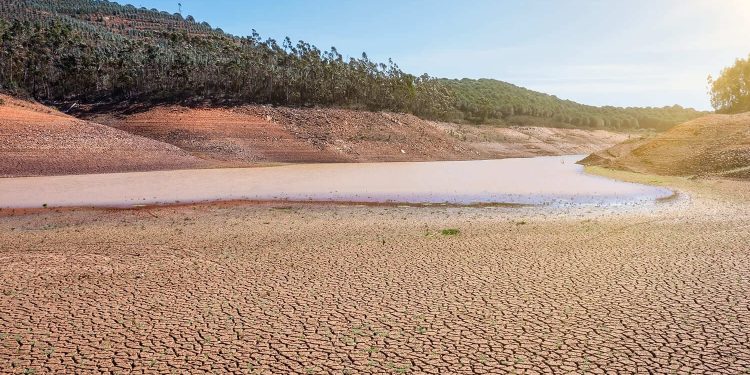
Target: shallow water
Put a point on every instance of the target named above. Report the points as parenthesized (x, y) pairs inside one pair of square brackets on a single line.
[(553, 180)]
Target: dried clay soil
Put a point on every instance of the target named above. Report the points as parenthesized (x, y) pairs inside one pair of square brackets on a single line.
[(311, 289)]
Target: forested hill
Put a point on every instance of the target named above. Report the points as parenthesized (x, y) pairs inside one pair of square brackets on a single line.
[(486, 100), (94, 51)]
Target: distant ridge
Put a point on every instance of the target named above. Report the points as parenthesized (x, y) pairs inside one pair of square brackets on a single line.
[(93, 51)]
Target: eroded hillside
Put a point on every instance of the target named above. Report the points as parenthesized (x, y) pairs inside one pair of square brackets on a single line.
[(252, 134), (38, 140), (711, 145)]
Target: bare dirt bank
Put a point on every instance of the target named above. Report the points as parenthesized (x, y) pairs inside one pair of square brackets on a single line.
[(329, 289), (38, 140), (249, 134), (711, 145), (530, 141)]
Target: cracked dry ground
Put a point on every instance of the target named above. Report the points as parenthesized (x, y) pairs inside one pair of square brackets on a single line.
[(246, 288)]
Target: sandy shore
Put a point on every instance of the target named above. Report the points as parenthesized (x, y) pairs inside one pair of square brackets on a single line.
[(264, 288)]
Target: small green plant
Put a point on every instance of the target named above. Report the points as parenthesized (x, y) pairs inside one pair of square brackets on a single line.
[(450, 232), (401, 369)]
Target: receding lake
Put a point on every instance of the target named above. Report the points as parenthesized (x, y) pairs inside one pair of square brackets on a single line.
[(537, 181)]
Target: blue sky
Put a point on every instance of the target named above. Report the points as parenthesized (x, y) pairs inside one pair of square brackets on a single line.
[(625, 53)]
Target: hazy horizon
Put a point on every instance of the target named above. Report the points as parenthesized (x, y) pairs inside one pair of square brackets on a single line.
[(594, 52)]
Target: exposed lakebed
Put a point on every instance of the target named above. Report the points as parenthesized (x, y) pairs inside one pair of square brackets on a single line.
[(554, 180)]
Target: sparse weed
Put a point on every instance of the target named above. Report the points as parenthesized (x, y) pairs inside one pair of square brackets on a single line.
[(450, 232)]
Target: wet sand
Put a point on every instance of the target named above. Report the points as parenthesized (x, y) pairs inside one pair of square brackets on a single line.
[(540, 180), (298, 288)]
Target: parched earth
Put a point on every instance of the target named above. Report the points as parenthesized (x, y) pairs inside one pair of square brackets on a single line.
[(313, 289)]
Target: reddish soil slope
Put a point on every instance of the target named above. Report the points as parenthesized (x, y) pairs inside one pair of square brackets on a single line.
[(225, 137), (710, 145), (251, 134), (37, 140)]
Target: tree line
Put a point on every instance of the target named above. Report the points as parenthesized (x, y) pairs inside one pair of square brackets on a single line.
[(730, 92), (91, 51), (487, 100)]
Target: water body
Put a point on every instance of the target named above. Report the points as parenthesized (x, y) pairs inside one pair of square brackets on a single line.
[(536, 181)]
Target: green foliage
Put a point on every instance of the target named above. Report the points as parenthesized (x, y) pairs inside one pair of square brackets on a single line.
[(485, 100), (730, 93), (97, 50), (450, 232)]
